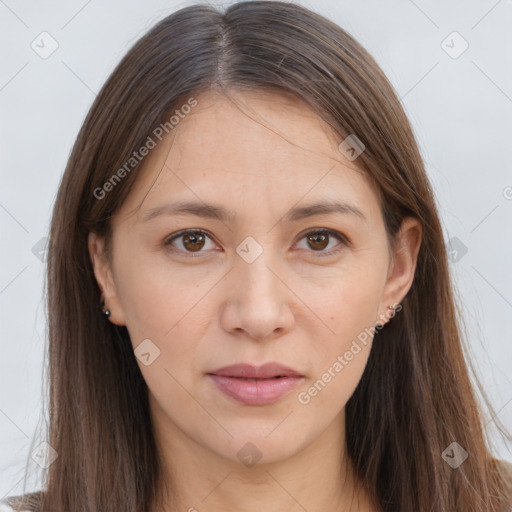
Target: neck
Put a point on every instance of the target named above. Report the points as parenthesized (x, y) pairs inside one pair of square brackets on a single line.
[(319, 477)]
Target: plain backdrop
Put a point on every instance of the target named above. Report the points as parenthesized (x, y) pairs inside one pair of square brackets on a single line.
[(459, 101)]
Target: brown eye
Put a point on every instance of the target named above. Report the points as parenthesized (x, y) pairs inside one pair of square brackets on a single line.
[(318, 241), (188, 242), (193, 241), (321, 241)]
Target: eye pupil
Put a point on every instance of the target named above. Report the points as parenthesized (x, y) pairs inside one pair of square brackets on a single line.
[(193, 238), (318, 238)]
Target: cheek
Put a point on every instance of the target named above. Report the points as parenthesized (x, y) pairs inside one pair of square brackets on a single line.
[(163, 305), (172, 308), (356, 307), (341, 360), (328, 393), (346, 302), (350, 310), (157, 296)]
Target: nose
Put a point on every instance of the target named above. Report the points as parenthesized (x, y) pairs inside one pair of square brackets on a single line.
[(258, 302)]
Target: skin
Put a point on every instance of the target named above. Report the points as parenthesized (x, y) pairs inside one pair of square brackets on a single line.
[(208, 309)]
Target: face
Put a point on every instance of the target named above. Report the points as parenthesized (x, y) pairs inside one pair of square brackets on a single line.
[(275, 279)]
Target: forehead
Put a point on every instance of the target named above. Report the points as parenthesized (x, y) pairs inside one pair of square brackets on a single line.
[(271, 144), (256, 128)]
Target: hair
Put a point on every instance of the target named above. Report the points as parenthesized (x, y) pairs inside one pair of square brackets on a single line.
[(415, 396)]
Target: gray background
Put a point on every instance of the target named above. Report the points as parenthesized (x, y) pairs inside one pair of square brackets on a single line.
[(460, 109)]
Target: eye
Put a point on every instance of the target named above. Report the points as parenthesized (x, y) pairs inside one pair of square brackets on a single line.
[(189, 241), (192, 241), (320, 239)]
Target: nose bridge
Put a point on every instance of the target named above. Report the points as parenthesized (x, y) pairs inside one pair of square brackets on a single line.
[(253, 266), (258, 299)]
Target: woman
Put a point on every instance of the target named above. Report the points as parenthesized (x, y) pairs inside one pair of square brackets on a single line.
[(250, 305)]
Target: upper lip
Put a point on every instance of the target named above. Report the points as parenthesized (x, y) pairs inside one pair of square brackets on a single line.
[(248, 371)]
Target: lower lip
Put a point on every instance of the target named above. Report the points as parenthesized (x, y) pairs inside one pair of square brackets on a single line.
[(255, 391)]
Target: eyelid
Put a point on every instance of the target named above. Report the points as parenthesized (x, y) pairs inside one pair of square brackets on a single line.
[(331, 232)]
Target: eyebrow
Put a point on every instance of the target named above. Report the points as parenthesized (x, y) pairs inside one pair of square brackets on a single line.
[(218, 212)]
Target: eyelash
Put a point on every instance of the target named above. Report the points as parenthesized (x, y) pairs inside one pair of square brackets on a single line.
[(322, 231)]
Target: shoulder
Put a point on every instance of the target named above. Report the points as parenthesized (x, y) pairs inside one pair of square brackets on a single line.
[(24, 503), (506, 468)]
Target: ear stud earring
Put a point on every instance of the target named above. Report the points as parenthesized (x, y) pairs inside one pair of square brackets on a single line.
[(106, 311)]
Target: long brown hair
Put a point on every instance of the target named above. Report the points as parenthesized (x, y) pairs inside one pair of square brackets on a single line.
[(415, 397)]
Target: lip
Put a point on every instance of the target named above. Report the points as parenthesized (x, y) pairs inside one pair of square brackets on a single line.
[(256, 385), (264, 371)]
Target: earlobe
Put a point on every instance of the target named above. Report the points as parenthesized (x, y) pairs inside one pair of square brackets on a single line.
[(103, 274), (405, 255)]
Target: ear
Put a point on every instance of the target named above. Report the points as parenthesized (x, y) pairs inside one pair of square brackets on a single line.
[(104, 277), (403, 264)]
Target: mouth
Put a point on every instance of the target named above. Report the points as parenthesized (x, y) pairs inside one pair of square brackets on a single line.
[(256, 385)]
